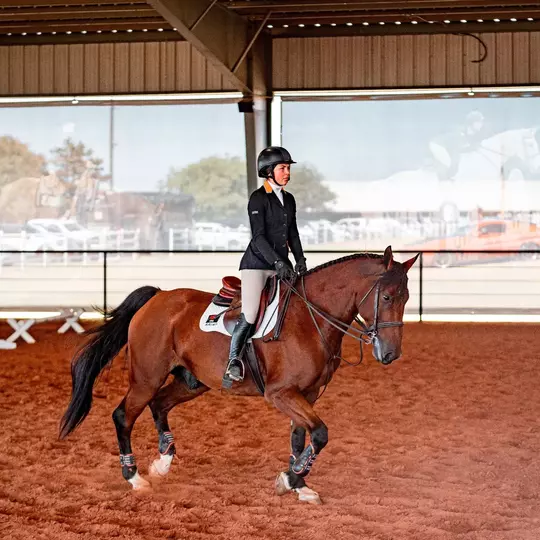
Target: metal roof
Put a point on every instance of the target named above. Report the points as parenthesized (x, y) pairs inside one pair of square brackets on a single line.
[(76, 21)]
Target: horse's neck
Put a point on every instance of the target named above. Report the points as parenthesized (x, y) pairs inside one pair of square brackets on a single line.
[(334, 289), (508, 142)]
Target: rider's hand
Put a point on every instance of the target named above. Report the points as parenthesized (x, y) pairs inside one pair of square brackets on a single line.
[(284, 271), (301, 267)]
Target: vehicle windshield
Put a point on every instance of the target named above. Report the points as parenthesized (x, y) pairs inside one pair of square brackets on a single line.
[(73, 227)]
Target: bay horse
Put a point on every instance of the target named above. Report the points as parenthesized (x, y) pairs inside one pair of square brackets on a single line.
[(161, 330)]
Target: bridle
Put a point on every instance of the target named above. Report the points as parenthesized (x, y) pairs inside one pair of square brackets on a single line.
[(365, 334)]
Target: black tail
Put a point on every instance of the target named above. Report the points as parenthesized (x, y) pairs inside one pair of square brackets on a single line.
[(100, 350)]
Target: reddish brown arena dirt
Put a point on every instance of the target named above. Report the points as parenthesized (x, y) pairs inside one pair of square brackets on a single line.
[(440, 445)]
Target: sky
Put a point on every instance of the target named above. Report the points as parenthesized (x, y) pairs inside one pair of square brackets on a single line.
[(346, 141), (148, 140)]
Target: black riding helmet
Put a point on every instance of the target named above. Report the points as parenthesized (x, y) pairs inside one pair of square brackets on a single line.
[(270, 157)]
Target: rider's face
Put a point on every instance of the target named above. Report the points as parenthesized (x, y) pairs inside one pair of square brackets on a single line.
[(282, 173)]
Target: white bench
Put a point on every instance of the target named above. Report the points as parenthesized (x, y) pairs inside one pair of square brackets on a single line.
[(22, 325)]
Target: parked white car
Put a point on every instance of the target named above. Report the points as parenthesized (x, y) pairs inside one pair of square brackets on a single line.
[(68, 233), (214, 236)]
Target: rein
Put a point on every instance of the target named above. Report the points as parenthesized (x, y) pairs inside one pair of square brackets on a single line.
[(366, 334)]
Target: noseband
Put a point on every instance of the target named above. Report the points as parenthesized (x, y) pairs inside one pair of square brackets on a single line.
[(369, 333)]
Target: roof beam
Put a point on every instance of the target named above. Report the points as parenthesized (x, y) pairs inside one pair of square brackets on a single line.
[(80, 26), (324, 5), (403, 29), (222, 36), (76, 38), (74, 13), (63, 3), (424, 16)]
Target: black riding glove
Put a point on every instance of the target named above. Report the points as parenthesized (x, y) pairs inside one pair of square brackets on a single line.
[(284, 271), (301, 267)]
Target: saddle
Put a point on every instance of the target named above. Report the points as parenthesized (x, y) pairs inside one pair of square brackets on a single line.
[(230, 295), (225, 309)]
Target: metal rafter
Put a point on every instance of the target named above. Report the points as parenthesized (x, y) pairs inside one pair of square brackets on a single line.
[(223, 37)]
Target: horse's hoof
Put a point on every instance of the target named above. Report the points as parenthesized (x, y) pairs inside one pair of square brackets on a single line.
[(282, 484), (139, 483), (306, 494), (160, 467)]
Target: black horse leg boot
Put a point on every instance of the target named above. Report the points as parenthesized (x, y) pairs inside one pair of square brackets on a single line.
[(235, 368)]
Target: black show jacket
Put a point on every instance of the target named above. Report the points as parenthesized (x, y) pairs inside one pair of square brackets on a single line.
[(273, 230)]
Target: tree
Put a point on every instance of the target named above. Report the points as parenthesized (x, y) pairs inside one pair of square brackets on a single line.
[(18, 161), (306, 185), (71, 160), (219, 187)]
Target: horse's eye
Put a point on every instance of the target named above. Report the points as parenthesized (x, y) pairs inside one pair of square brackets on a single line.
[(386, 297)]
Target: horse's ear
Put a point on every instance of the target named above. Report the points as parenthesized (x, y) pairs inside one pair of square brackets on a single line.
[(388, 258), (407, 264)]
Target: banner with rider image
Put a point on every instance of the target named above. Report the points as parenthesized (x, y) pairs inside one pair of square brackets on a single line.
[(420, 167), (415, 155)]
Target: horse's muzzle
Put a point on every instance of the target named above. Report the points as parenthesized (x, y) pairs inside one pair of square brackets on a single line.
[(382, 354)]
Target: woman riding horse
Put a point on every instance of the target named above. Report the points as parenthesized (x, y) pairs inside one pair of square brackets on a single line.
[(272, 216)]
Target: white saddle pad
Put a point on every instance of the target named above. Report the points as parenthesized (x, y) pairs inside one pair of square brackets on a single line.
[(212, 319)]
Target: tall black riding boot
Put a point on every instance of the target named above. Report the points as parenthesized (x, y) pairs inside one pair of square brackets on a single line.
[(235, 368)]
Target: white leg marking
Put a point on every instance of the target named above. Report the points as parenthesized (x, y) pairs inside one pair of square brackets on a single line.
[(306, 494), (282, 484), (138, 482), (161, 466)]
